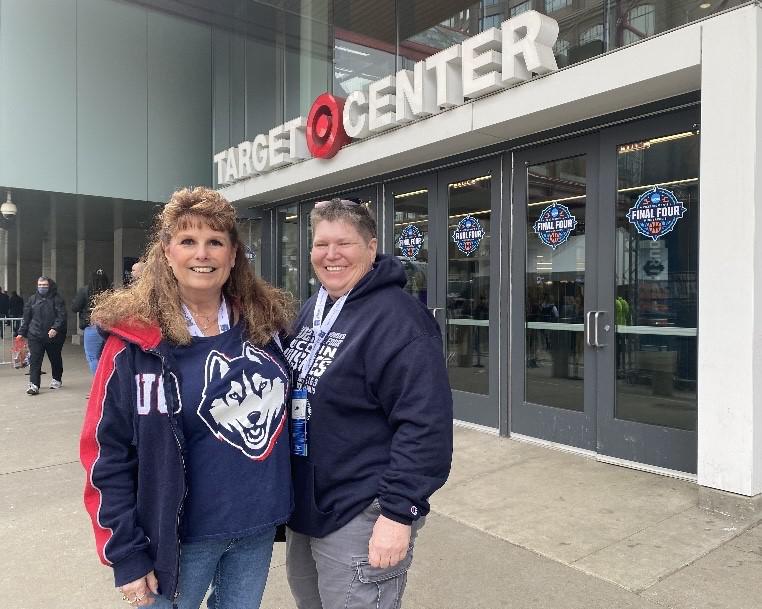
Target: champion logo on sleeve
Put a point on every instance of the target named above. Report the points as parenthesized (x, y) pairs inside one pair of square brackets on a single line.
[(414, 510)]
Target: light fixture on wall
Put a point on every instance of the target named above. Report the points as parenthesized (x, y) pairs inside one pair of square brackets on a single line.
[(8, 210)]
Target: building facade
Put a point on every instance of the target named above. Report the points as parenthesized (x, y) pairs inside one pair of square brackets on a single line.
[(573, 222), (571, 185)]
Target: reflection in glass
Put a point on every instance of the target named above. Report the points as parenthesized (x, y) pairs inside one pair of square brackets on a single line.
[(411, 240), (365, 44), (250, 231), (657, 287), (555, 288), (288, 250), (468, 286)]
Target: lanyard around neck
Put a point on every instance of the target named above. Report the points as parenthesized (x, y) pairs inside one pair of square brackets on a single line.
[(223, 321), (320, 329)]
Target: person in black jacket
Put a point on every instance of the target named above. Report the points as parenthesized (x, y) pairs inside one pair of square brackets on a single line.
[(83, 304), (44, 327), (372, 430), (15, 309), (5, 303)]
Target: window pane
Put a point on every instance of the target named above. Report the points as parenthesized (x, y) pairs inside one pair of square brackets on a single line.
[(468, 284), (288, 255), (555, 283), (657, 280)]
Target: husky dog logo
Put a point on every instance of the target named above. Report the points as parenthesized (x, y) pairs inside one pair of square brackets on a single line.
[(250, 414)]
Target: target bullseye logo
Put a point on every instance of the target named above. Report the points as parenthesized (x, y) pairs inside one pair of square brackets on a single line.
[(325, 127)]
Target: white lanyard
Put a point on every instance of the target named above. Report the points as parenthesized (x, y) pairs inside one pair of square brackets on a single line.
[(223, 321), (320, 330)]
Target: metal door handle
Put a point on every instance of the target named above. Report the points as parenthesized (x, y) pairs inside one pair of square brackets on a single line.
[(588, 325), (434, 311), (598, 344)]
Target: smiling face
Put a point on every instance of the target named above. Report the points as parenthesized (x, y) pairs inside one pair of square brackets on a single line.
[(201, 259), (340, 256)]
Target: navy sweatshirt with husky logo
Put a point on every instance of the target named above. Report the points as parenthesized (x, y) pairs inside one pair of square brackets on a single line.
[(380, 407)]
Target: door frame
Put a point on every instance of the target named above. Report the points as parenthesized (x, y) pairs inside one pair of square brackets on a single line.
[(557, 425)]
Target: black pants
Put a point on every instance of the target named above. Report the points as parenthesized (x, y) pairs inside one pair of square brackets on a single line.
[(37, 349)]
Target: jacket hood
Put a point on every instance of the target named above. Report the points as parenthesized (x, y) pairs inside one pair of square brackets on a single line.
[(145, 337), (387, 271)]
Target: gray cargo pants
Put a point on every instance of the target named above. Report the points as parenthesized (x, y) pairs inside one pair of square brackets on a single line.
[(333, 572)]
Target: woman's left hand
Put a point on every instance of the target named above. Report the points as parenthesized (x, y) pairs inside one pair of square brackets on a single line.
[(389, 543), (140, 593)]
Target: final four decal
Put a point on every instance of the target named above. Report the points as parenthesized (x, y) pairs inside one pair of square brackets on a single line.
[(555, 224), (656, 212), (410, 241), (468, 234)]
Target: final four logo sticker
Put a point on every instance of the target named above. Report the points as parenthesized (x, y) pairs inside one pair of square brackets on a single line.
[(410, 241), (656, 212), (555, 224), (468, 234)]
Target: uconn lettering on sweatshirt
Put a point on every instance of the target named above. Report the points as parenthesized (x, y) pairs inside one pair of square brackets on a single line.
[(495, 59)]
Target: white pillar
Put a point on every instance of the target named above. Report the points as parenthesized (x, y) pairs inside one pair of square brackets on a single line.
[(730, 255)]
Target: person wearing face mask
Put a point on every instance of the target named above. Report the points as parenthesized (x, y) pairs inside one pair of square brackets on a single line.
[(44, 327)]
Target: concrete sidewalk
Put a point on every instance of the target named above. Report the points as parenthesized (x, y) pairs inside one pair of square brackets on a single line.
[(517, 525)]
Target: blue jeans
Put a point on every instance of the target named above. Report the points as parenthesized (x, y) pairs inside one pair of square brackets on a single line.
[(93, 347), (236, 569)]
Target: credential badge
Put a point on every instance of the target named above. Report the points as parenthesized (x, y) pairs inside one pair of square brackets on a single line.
[(410, 241), (656, 212), (468, 234), (555, 224)]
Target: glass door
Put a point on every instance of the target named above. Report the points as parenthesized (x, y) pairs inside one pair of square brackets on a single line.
[(649, 229), (555, 263), (441, 227), (605, 292), (470, 276), (410, 235)]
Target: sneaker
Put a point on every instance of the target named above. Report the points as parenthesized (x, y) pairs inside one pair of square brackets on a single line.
[(32, 389), (54, 384)]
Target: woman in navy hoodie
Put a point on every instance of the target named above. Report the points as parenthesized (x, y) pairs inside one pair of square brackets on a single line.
[(371, 420), (185, 440)]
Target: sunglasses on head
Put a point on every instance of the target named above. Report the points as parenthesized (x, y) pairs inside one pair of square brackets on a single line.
[(343, 202)]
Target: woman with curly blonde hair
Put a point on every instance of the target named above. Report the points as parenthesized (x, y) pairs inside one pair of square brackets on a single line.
[(185, 439)]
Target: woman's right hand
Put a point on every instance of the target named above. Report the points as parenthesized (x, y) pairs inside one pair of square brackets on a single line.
[(140, 593)]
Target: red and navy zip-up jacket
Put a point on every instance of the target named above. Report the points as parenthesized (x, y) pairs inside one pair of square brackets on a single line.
[(127, 456)]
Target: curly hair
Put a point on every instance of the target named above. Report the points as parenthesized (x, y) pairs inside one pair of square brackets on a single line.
[(154, 297)]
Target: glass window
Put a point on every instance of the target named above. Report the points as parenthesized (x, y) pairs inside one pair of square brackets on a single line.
[(468, 283), (656, 308), (639, 23), (591, 34), (555, 284), (427, 27), (551, 6), (491, 21), (521, 7), (411, 240), (365, 44), (287, 219)]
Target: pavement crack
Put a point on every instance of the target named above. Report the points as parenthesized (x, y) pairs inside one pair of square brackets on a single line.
[(34, 469)]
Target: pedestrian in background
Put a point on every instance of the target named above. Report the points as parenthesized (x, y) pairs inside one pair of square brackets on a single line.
[(83, 304), (5, 304), (44, 327), (16, 309)]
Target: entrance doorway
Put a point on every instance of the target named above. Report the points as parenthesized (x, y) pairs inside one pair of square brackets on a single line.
[(605, 268), (443, 228)]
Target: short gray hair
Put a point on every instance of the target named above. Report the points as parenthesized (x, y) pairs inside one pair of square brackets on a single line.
[(344, 210)]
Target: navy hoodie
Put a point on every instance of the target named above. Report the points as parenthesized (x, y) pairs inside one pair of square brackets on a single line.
[(380, 407)]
